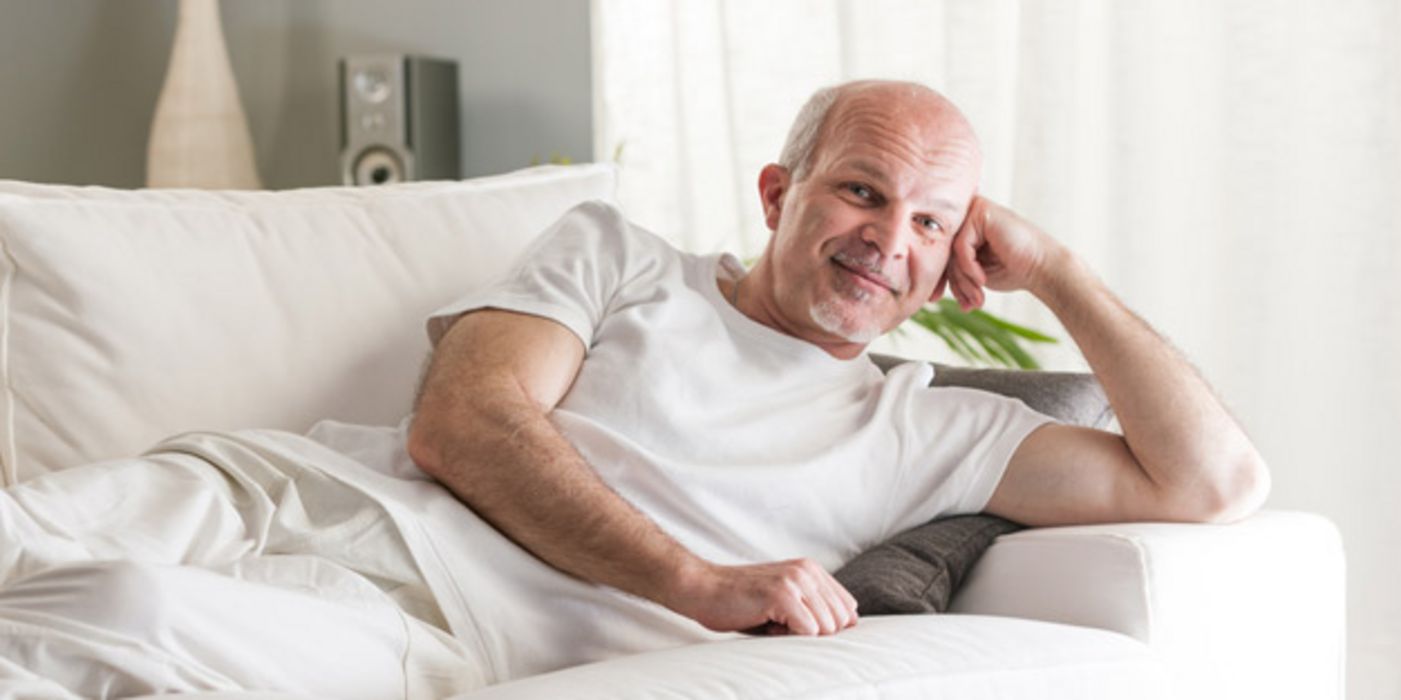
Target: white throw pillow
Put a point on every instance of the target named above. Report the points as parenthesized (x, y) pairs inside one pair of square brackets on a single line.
[(128, 316)]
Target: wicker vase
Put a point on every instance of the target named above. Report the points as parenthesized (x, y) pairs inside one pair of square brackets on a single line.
[(199, 136)]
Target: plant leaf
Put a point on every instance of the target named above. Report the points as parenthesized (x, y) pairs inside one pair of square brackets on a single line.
[(937, 324), (1005, 342), (979, 337), (1014, 329)]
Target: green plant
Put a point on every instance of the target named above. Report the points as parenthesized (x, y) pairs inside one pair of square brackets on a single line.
[(978, 336), (555, 159)]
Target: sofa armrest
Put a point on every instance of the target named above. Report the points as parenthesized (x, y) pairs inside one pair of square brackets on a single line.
[(1247, 610)]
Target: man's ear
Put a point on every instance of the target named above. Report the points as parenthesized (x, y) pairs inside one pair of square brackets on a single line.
[(774, 181)]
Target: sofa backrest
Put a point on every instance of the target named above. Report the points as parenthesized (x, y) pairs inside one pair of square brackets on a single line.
[(129, 316)]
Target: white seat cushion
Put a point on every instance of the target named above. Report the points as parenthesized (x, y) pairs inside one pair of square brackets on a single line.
[(127, 316), (961, 657)]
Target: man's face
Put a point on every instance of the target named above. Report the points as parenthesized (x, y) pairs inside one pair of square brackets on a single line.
[(862, 242)]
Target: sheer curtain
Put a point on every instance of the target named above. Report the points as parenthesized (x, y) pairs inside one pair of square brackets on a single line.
[(1232, 168)]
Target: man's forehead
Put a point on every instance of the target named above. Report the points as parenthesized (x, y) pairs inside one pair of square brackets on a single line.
[(944, 150)]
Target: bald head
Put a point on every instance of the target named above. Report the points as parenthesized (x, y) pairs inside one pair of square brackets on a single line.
[(873, 183), (832, 111)]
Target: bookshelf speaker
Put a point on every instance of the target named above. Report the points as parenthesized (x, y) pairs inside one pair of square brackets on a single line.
[(398, 119)]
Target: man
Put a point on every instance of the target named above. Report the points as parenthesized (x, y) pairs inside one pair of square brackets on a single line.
[(565, 408), (704, 441)]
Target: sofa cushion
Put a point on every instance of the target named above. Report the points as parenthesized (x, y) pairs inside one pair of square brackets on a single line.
[(1069, 397), (962, 657), (918, 570), (127, 316)]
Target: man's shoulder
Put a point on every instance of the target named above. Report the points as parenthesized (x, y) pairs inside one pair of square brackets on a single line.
[(597, 231), (609, 223)]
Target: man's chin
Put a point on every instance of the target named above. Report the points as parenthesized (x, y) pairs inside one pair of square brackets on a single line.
[(831, 316)]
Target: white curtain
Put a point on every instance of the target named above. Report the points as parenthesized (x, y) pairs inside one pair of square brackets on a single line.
[(1231, 167)]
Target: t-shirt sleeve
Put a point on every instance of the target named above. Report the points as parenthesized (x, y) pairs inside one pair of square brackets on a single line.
[(957, 443), (569, 274)]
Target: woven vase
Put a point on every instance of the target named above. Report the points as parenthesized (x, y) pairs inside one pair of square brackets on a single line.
[(199, 136)]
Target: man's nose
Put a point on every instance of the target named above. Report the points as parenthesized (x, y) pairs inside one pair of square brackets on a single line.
[(886, 231)]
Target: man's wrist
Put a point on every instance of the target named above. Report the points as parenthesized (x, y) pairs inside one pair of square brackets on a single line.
[(1060, 276), (681, 585)]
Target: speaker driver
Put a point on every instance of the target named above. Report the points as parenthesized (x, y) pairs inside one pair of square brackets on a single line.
[(378, 166)]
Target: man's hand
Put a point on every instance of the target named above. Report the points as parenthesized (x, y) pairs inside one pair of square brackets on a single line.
[(997, 249), (788, 597)]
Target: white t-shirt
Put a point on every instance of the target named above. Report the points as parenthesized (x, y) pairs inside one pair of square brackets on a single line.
[(745, 444)]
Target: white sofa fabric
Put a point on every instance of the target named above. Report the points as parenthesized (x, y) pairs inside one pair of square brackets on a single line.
[(121, 313), (127, 316), (1249, 610), (945, 657)]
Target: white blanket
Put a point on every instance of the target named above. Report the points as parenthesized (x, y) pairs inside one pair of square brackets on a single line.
[(256, 505)]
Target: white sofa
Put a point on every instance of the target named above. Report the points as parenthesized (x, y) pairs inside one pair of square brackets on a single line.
[(129, 316)]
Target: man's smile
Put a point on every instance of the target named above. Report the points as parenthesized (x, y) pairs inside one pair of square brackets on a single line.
[(864, 274)]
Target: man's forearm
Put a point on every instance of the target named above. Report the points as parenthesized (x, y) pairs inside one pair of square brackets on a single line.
[(515, 470), (1176, 428)]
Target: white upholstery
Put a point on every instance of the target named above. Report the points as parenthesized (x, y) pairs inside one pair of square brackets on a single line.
[(127, 316), (1252, 609), (958, 657)]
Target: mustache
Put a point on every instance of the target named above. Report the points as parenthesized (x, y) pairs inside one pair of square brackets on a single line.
[(867, 263)]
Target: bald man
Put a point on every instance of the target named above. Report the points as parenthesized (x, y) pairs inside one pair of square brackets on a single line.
[(712, 439), (657, 449)]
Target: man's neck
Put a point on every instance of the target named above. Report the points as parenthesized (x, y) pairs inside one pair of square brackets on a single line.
[(752, 295)]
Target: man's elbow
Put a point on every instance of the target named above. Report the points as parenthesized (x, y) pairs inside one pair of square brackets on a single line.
[(1238, 490), (427, 445)]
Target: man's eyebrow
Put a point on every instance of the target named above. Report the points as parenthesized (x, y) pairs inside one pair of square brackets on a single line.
[(870, 170), (875, 173)]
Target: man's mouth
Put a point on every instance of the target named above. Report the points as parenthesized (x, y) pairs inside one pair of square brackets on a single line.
[(864, 272)]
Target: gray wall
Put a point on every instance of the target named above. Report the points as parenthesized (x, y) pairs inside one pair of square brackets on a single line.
[(80, 78)]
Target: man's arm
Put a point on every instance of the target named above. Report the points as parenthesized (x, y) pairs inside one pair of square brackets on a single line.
[(481, 429), (1182, 457)]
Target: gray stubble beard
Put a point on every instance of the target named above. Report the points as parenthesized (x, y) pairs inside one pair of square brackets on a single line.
[(828, 316)]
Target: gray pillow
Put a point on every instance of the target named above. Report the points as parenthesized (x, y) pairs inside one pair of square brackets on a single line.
[(1070, 397), (919, 570)]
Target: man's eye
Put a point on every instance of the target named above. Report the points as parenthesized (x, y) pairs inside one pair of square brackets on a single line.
[(930, 224), (860, 190)]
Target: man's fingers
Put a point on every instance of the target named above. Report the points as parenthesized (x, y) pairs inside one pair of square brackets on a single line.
[(796, 596), (843, 605), (798, 618), (850, 602), (832, 608), (943, 284), (966, 274), (835, 603), (835, 610), (968, 261), (969, 239), (818, 605), (965, 290)]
